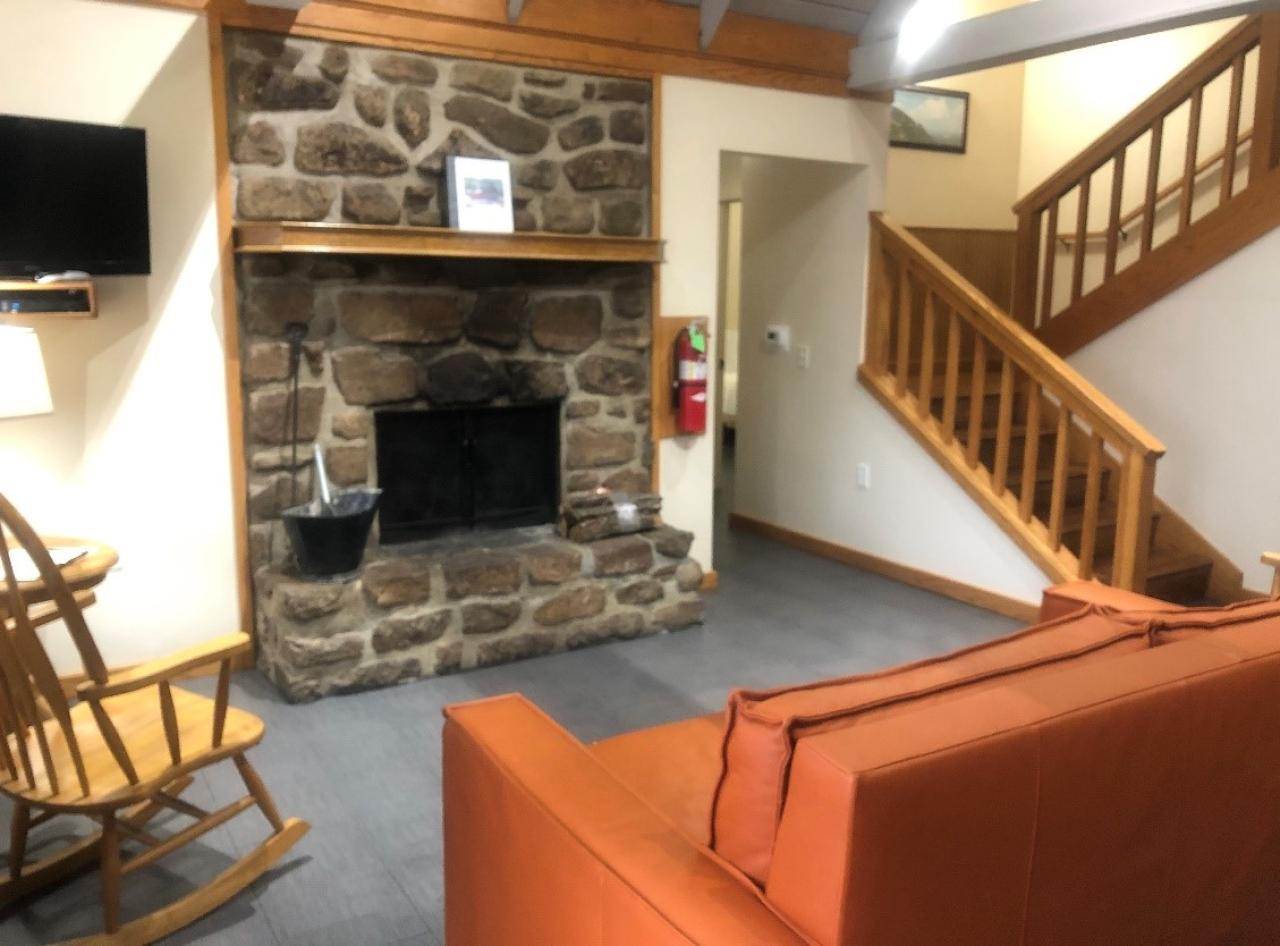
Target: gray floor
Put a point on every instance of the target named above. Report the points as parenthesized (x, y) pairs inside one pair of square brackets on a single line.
[(365, 769)]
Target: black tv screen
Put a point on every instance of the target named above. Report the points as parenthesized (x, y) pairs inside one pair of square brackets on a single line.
[(72, 196)]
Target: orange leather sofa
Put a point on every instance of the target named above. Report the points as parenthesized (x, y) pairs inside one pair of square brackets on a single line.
[(1109, 776)]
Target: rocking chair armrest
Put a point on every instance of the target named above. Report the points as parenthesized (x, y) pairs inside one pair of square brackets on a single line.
[(47, 612), (167, 669)]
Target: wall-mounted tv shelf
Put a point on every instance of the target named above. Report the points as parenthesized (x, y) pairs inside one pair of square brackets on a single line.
[(23, 302)]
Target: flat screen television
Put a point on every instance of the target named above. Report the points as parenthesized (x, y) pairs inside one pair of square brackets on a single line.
[(73, 196)]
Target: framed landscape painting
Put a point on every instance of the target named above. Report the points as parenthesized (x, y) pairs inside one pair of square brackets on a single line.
[(930, 119)]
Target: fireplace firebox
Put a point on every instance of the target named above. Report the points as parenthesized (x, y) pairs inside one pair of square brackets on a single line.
[(458, 469)]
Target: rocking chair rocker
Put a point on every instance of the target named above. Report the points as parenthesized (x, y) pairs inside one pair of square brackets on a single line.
[(119, 754)]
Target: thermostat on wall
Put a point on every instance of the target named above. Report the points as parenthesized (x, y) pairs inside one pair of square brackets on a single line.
[(777, 338)]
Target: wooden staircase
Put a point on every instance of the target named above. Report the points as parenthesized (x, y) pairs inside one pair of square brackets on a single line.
[(1172, 572), (1180, 184), (1067, 474)]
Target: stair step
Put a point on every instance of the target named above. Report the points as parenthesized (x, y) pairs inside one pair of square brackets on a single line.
[(1176, 576), (1105, 542)]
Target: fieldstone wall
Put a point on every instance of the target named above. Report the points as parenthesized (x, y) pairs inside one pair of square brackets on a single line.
[(423, 615), (325, 131)]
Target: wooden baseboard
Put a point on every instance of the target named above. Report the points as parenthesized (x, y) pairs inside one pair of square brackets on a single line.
[(915, 577), (710, 580)]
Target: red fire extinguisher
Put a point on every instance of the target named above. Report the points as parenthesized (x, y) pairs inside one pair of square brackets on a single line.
[(689, 389)]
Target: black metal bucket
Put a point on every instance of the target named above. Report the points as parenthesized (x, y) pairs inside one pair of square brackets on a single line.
[(331, 542)]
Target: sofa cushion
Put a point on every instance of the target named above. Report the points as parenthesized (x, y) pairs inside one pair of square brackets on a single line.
[(673, 767), (762, 728)]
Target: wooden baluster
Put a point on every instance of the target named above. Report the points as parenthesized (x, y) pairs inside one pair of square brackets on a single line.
[(904, 327), (1058, 497), (1004, 428), (951, 385), (1026, 268), (1133, 522), (1266, 113), (1050, 264), (1092, 499), (1229, 154), (1082, 236), (1030, 453), (924, 392), (1193, 157), (1113, 224), (1153, 187), (977, 398)]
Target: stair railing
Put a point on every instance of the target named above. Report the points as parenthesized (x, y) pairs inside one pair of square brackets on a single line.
[(939, 354), (1173, 165)]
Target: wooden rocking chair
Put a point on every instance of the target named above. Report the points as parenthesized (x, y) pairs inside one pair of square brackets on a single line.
[(120, 754)]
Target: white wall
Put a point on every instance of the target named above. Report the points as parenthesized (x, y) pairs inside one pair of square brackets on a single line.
[(801, 432), (1197, 369), (820, 423), (136, 453)]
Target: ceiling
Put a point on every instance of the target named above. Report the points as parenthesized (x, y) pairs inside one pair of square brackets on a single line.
[(843, 16)]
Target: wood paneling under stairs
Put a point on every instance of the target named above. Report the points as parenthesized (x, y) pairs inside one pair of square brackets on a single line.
[(984, 257)]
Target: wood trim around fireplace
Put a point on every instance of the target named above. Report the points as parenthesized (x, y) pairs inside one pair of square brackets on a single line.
[(231, 338), (658, 37), (362, 239)]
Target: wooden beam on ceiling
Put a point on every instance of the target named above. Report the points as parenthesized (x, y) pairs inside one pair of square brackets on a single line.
[(710, 15), (1032, 30), (514, 8)]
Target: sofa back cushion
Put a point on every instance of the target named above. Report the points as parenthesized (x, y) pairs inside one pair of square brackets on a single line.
[(1135, 800), (763, 727), (1170, 626)]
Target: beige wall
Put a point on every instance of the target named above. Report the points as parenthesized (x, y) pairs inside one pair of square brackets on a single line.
[(976, 189), (1072, 98), (136, 452)]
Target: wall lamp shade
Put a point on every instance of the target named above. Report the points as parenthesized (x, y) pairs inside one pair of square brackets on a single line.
[(24, 385)]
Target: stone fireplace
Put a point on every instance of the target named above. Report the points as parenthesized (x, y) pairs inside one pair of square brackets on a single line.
[(480, 395)]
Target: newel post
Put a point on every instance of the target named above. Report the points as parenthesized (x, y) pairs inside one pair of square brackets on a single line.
[(1136, 499), (875, 343), (1026, 268)]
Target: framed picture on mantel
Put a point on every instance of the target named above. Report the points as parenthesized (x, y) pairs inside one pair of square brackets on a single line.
[(930, 119), (479, 195)]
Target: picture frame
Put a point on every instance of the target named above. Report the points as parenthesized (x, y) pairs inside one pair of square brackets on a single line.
[(927, 118), (480, 198)]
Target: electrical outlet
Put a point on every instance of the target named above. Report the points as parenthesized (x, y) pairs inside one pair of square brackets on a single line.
[(804, 356), (864, 476)]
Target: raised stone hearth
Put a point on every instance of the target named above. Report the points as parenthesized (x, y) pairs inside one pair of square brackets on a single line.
[(434, 610)]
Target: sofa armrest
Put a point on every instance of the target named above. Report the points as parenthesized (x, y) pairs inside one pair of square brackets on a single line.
[(1061, 600), (544, 845)]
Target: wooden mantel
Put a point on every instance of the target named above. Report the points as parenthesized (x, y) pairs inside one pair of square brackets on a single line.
[(362, 239)]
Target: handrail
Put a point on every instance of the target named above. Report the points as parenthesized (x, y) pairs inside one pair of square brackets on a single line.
[(1053, 290), (1082, 397), (919, 312), (1216, 59), (1172, 189)]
